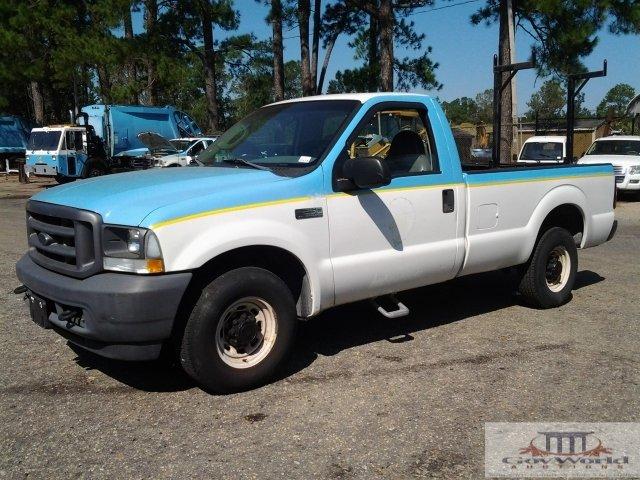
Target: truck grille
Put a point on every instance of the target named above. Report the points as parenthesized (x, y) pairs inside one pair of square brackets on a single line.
[(618, 170), (64, 239)]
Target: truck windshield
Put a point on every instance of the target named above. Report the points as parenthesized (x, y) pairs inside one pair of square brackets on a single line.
[(181, 145), (615, 147), (44, 140), (293, 134), (540, 151)]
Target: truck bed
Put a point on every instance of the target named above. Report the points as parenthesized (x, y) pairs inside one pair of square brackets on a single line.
[(505, 207)]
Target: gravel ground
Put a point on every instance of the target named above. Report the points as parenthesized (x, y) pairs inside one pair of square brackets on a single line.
[(363, 397)]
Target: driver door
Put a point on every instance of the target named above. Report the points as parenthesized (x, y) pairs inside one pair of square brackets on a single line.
[(400, 236)]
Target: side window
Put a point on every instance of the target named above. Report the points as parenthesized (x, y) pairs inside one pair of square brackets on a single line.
[(78, 141), (196, 149), (69, 141), (401, 138)]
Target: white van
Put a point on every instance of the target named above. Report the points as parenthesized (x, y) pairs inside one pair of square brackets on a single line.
[(544, 150)]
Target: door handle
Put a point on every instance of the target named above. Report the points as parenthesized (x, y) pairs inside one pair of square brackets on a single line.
[(448, 201)]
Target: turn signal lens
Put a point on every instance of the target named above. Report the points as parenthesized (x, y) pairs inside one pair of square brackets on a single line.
[(155, 265)]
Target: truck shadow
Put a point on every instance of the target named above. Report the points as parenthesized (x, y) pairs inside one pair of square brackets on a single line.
[(349, 326), (358, 324)]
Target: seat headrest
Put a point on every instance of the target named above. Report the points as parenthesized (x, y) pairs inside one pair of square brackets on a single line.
[(406, 142)]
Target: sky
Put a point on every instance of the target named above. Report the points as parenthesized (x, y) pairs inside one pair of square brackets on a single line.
[(465, 51)]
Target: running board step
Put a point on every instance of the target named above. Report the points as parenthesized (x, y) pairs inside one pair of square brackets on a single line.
[(390, 301)]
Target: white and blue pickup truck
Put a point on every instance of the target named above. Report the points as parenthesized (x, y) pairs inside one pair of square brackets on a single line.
[(302, 206)]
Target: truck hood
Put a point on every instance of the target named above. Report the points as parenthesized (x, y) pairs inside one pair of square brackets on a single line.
[(157, 143), (127, 198), (618, 160)]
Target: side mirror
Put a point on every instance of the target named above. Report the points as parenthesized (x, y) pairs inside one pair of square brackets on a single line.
[(367, 172)]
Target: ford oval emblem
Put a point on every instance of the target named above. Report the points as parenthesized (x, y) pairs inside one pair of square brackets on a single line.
[(45, 239)]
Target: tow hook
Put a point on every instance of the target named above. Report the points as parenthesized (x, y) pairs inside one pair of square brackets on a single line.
[(72, 318), (20, 290)]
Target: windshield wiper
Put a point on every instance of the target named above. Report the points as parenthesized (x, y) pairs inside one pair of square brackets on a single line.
[(242, 161)]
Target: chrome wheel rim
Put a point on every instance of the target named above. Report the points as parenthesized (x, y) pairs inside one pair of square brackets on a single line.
[(558, 268), (246, 332)]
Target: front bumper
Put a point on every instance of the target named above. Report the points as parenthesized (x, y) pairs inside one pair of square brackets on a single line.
[(628, 182), (119, 315), (40, 169)]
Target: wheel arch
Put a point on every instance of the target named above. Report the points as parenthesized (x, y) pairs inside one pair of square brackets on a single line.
[(279, 261), (564, 206)]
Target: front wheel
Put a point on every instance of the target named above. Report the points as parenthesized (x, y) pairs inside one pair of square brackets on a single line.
[(240, 331), (550, 274)]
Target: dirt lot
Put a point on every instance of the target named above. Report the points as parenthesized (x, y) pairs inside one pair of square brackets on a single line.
[(364, 397)]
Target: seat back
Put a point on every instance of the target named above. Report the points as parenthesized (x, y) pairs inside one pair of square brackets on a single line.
[(407, 154)]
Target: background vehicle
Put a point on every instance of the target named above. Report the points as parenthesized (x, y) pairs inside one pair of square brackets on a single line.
[(14, 136), (110, 142), (178, 152), (301, 206), (544, 150), (623, 152), (63, 151)]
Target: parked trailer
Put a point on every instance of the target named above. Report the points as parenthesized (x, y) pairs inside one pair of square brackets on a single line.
[(14, 135), (102, 140)]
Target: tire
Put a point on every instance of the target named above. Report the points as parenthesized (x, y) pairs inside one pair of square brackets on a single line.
[(549, 276), (94, 169), (221, 347), (61, 179)]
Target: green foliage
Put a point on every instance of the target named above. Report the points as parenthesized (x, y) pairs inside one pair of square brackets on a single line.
[(356, 18), (548, 102), (484, 104), (566, 31), (472, 110), (461, 110), (616, 100)]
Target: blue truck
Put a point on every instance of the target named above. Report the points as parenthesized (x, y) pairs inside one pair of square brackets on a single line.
[(294, 210), (14, 136), (103, 139)]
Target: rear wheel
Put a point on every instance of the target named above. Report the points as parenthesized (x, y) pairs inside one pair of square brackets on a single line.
[(94, 169), (550, 274), (61, 179), (240, 330)]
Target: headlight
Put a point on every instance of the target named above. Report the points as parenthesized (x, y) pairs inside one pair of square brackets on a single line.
[(133, 250), (634, 169)]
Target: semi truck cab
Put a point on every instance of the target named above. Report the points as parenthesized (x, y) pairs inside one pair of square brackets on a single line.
[(59, 150)]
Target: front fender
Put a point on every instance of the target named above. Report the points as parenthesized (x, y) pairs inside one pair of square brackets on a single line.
[(189, 245)]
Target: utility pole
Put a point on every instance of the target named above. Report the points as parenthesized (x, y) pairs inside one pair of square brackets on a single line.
[(512, 53), (505, 55)]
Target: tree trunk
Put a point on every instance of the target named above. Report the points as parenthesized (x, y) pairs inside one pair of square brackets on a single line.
[(386, 24), (209, 60), (150, 19), (315, 43), (131, 64), (325, 64), (374, 54), (38, 102), (304, 10), (278, 50), (506, 117), (104, 84)]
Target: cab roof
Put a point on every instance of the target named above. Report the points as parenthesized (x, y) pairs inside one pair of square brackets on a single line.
[(359, 97), (619, 137), (547, 138)]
